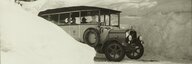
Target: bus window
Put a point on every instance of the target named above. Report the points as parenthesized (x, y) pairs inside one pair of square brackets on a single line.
[(54, 18), (46, 17), (78, 20), (105, 20), (89, 17), (63, 18), (75, 19), (94, 19), (114, 19), (83, 20)]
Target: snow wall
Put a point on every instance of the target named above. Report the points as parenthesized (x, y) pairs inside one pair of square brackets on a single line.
[(167, 35), (28, 39)]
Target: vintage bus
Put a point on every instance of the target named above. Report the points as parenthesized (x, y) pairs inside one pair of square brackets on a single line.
[(99, 28)]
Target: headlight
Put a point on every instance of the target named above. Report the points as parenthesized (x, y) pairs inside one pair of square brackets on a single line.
[(130, 37), (140, 38), (127, 34)]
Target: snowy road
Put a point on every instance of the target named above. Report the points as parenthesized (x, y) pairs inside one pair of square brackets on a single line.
[(128, 61), (102, 60)]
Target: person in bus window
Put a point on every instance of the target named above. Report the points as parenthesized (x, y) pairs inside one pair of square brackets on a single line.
[(73, 20), (93, 21), (84, 20), (68, 20)]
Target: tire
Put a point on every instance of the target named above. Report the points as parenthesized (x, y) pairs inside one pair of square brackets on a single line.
[(114, 49), (91, 37), (136, 52)]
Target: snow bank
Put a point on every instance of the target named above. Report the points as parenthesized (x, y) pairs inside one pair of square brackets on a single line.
[(166, 35), (33, 7), (28, 39), (166, 30)]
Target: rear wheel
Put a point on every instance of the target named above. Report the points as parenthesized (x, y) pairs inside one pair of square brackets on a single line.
[(114, 51), (136, 52)]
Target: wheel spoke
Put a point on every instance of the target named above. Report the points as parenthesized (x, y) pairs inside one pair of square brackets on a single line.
[(135, 54), (114, 55), (137, 47), (138, 51), (116, 47), (132, 54), (111, 48)]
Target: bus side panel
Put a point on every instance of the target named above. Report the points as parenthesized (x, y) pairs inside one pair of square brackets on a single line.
[(72, 30)]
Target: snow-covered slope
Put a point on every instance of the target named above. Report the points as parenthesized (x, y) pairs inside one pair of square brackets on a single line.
[(166, 35), (29, 39), (33, 7), (166, 30)]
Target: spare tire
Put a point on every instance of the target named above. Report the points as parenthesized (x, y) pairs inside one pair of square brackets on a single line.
[(91, 37)]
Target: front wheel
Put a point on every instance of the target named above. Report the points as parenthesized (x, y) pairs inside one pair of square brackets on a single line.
[(114, 51), (136, 52)]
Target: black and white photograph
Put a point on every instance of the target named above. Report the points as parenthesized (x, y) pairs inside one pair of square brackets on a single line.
[(96, 31)]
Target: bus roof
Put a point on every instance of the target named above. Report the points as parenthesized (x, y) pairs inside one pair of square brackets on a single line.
[(79, 8)]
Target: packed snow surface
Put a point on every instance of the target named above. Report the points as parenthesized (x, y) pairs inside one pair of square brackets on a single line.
[(29, 39)]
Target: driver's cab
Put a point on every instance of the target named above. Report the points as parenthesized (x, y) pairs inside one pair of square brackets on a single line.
[(76, 20)]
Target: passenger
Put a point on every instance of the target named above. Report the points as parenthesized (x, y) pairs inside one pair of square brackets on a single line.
[(68, 20), (84, 20), (73, 20), (93, 21)]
